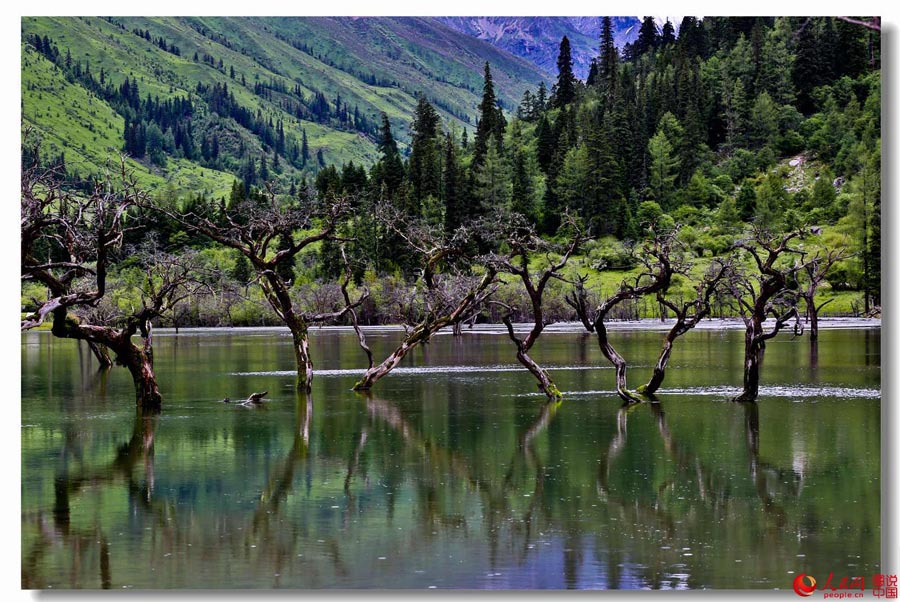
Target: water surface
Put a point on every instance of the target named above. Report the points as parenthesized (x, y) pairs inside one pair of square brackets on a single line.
[(453, 473)]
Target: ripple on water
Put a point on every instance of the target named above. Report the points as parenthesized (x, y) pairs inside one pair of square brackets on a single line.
[(423, 370)]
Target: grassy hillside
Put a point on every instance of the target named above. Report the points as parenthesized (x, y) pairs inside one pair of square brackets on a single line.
[(327, 79)]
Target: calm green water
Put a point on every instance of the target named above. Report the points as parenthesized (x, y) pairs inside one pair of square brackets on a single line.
[(454, 473)]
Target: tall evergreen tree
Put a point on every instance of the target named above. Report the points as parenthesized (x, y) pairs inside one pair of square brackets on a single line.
[(565, 81), (285, 269), (545, 143), (454, 207), (668, 34), (807, 66), (648, 37), (664, 166), (424, 157), (522, 187), (540, 101), (608, 67), (490, 120), (388, 172), (852, 56)]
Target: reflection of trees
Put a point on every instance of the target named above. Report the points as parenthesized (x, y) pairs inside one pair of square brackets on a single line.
[(713, 484), (138, 451), (281, 482), (770, 481), (266, 522), (534, 503), (496, 495)]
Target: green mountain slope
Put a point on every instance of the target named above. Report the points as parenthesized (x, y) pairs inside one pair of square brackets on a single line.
[(247, 91)]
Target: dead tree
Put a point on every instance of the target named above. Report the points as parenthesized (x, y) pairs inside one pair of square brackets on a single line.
[(814, 272), (68, 242), (660, 264), (873, 23), (445, 294), (764, 293), (523, 243), (253, 228), (687, 316)]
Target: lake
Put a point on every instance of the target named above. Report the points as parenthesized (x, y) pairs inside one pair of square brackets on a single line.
[(453, 472)]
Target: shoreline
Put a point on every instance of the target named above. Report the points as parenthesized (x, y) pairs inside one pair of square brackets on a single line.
[(646, 325)]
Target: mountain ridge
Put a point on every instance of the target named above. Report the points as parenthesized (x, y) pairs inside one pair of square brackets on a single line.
[(537, 38), (258, 87)]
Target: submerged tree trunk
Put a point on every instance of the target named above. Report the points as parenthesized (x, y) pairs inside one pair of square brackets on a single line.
[(375, 373), (147, 391), (545, 383), (659, 370), (300, 337), (685, 321), (423, 332), (753, 350), (101, 353), (755, 347), (138, 361), (812, 311), (610, 353)]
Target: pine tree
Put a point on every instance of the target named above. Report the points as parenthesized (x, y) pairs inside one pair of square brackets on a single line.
[(691, 38), (593, 77), (852, 56), (664, 166), (807, 66), (763, 125), (242, 272), (285, 269), (263, 169), (522, 187), (565, 81), (777, 64), (540, 101), (388, 173), (648, 37), (492, 180), (454, 209), (668, 34), (490, 118), (736, 115), (545, 143), (304, 149), (608, 67), (424, 157)]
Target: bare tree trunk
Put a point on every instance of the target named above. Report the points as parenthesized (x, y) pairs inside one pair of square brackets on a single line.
[(424, 331), (814, 318), (101, 353), (545, 383), (617, 360), (138, 361), (753, 350), (376, 373), (300, 336), (140, 365), (659, 370)]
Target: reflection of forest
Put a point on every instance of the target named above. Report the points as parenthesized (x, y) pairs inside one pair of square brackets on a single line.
[(656, 510)]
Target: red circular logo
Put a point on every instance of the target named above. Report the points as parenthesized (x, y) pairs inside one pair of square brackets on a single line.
[(804, 585)]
